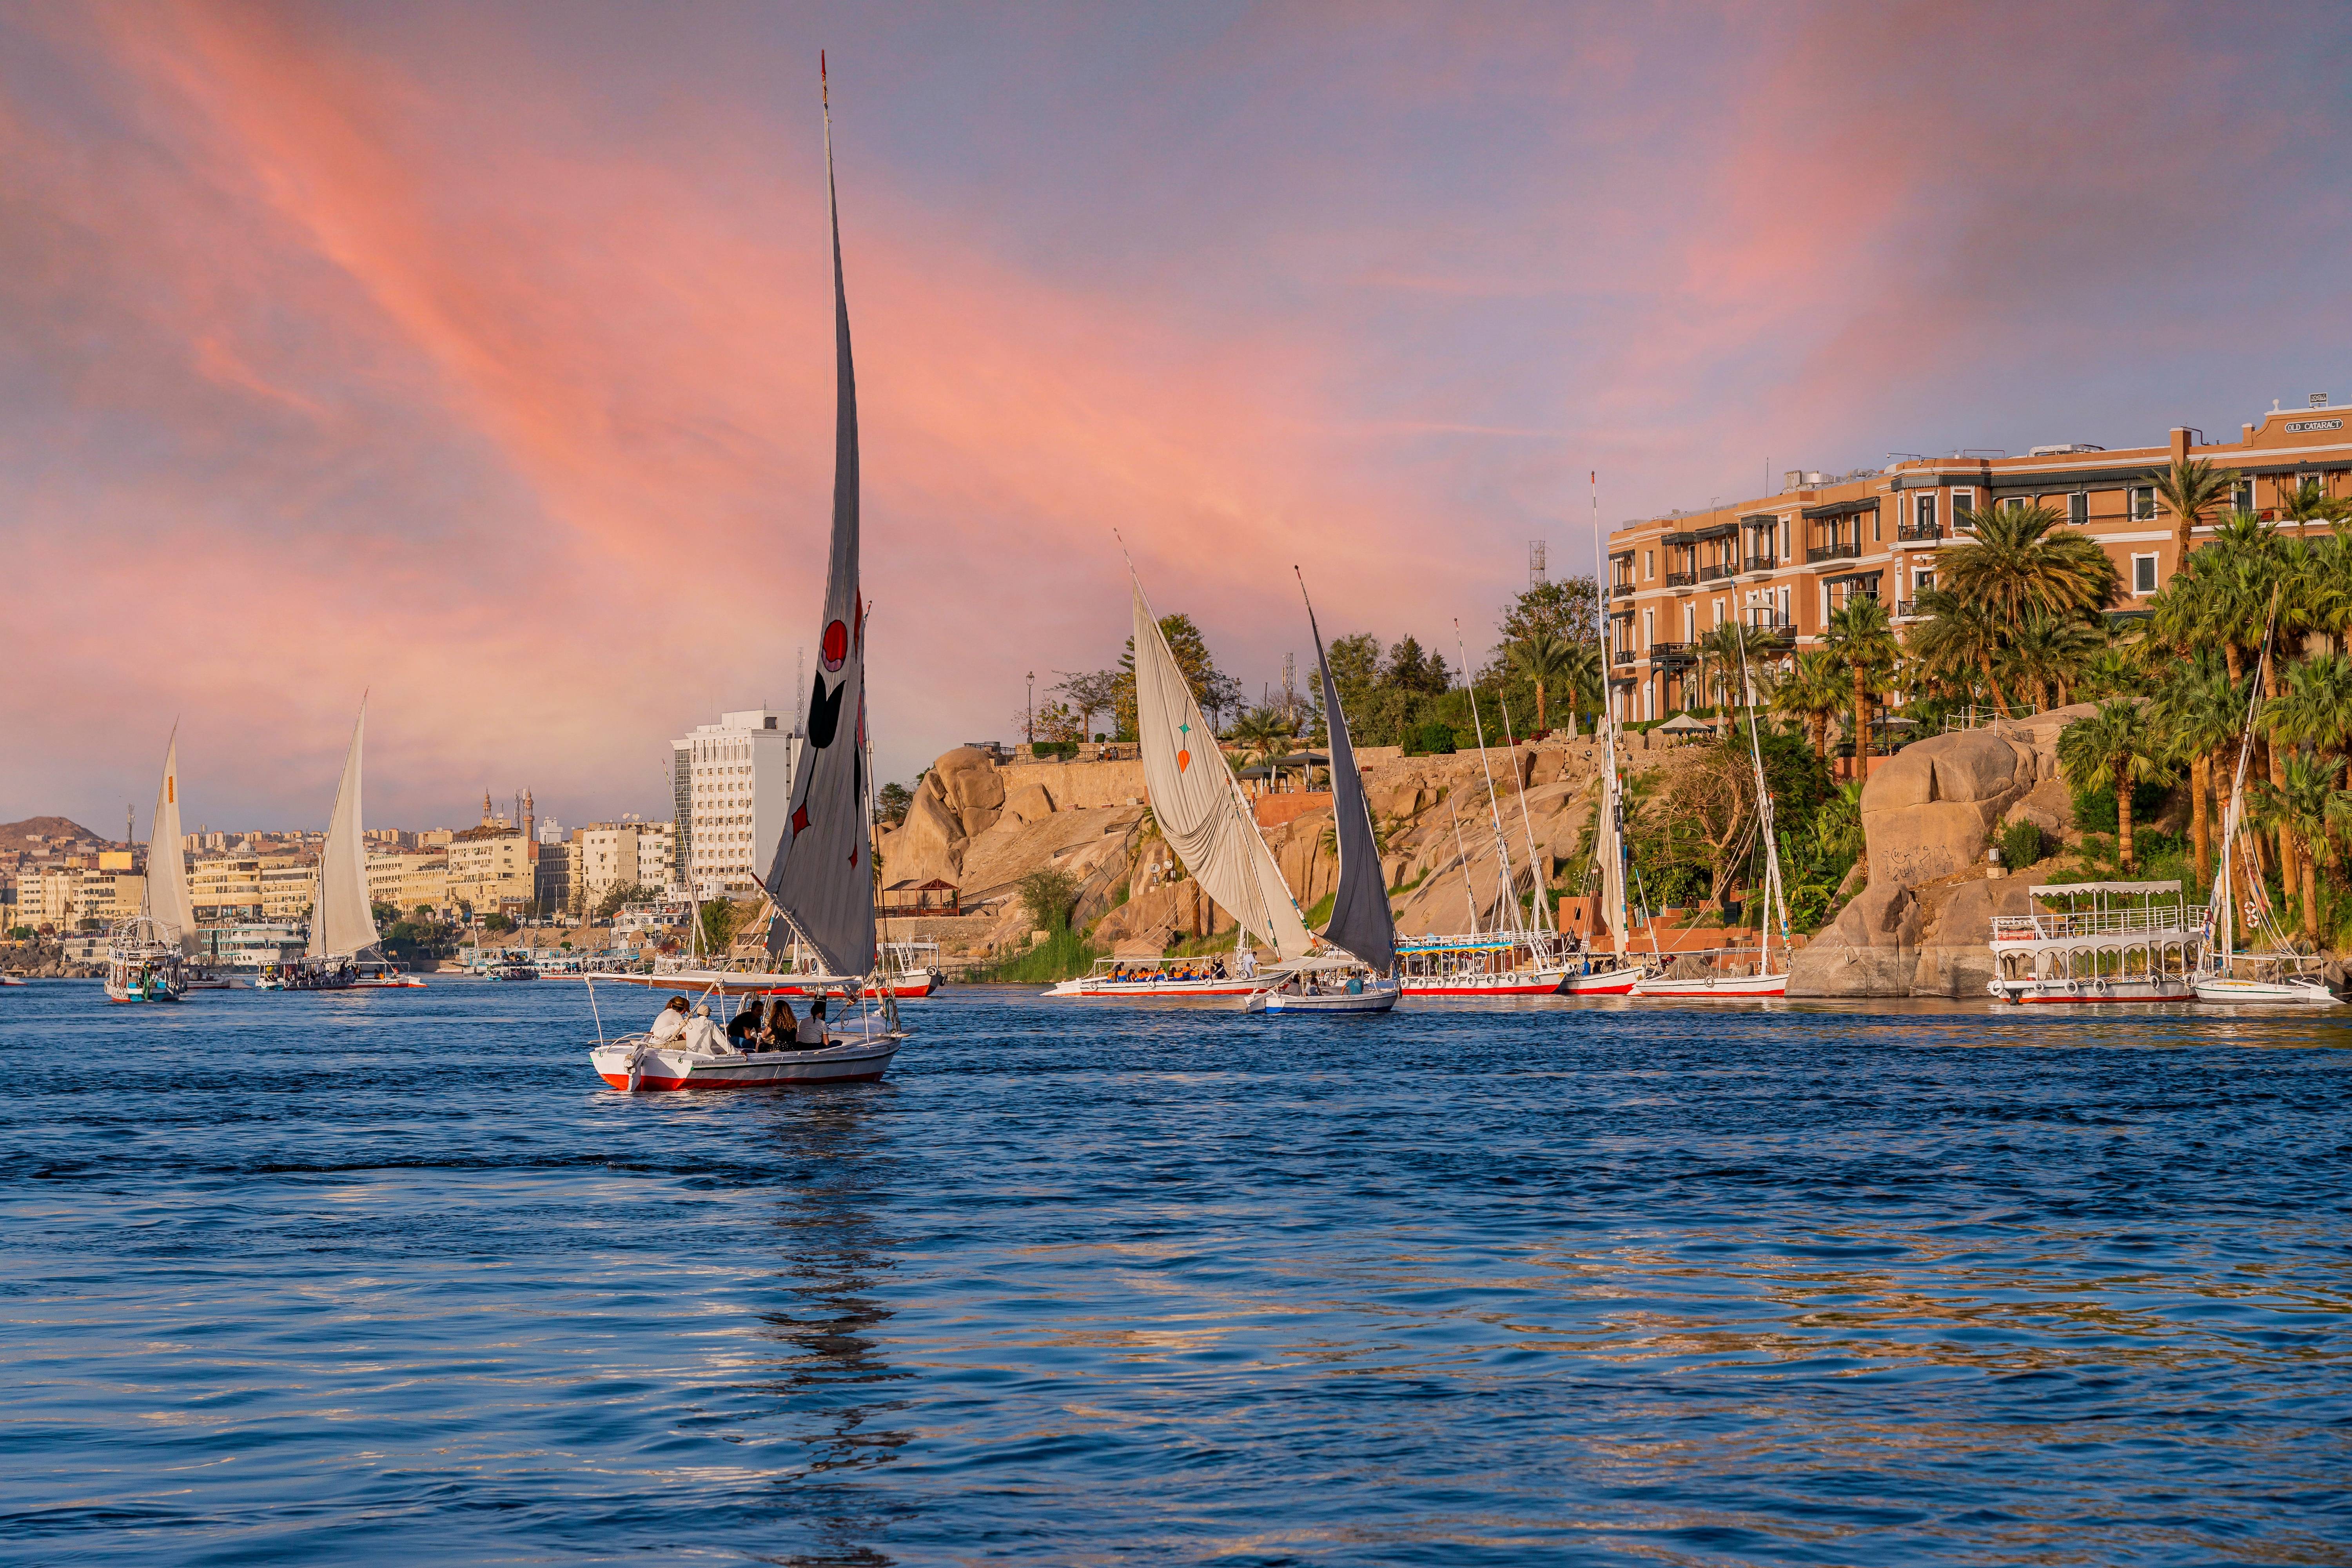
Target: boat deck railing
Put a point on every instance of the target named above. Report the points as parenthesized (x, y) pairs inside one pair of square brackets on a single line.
[(2100, 922)]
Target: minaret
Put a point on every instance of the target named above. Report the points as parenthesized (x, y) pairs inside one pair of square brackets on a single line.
[(486, 808), (530, 816)]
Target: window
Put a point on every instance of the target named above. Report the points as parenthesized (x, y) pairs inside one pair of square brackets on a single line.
[(2013, 503), (1964, 502), (2242, 496), (1922, 582), (1926, 516), (1690, 623), (2143, 503), (1784, 538), (1875, 534), (1649, 563), (1649, 628), (2143, 575), (2078, 508)]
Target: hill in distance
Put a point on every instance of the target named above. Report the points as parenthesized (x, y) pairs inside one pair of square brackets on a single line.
[(19, 835)]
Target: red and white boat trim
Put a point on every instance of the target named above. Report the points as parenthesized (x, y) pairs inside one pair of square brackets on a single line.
[(1712, 987), (634, 1064), (1617, 981), (1511, 983)]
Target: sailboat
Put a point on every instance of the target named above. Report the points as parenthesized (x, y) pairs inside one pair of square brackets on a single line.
[(1361, 925), (1715, 985), (2275, 976), (342, 921), (821, 881), (1207, 821), (145, 957)]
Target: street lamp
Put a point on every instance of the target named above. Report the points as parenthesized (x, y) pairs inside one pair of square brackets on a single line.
[(1030, 723)]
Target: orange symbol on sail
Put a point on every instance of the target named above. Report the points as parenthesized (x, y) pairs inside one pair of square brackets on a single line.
[(1183, 757)]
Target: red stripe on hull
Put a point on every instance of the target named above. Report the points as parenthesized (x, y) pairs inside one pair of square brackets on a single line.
[(621, 1081), (1552, 990)]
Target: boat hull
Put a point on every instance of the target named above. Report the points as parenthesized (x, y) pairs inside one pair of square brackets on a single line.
[(1511, 983), (2091, 993), (1602, 982), (1712, 987), (635, 1066), (1372, 999), (1152, 990), (2268, 993)]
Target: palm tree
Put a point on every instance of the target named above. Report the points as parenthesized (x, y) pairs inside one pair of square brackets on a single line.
[(1547, 658), (1958, 637), (2049, 654), (2023, 559), (1263, 733), (1861, 638), (2190, 487), (2197, 710), (1811, 691), (2111, 749), (2330, 587), (2308, 503), (2114, 670), (2301, 805), (2315, 708), (1721, 649)]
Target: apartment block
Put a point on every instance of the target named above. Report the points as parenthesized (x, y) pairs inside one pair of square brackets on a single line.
[(739, 785), (1782, 564), (227, 888), (409, 879)]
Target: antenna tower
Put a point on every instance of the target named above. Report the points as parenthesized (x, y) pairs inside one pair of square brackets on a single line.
[(1537, 572)]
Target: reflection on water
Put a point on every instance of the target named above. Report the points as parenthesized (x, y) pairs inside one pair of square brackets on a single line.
[(396, 1280)]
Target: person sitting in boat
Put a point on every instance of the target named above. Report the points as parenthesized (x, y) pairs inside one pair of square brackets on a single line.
[(1355, 985), (702, 1035), (746, 1024), (670, 1024), (782, 1030), (1217, 969), (811, 1031)]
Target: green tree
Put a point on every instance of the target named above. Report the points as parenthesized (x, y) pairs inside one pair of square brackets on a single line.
[(891, 803), (626, 893), (2308, 503), (2111, 749), (1718, 650), (2301, 807), (1090, 692), (1960, 638), (1568, 609), (1263, 734), (2049, 654), (1049, 895), (2024, 560), (1409, 670), (1861, 638), (2190, 487), (2198, 712), (1811, 691), (1549, 659)]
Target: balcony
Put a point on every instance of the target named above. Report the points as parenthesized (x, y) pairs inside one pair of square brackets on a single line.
[(1671, 655), (1821, 552), (1623, 656), (1765, 563), (1716, 571), (1622, 589), (1767, 627), (1909, 610), (1681, 579), (1918, 533)]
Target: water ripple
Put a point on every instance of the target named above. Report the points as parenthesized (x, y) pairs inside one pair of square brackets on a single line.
[(391, 1277)]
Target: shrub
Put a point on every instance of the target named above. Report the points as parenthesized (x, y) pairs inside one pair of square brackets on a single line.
[(497, 923), (1434, 738), (2020, 845), (1049, 894)]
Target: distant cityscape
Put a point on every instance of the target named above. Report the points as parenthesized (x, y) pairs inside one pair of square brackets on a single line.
[(731, 785)]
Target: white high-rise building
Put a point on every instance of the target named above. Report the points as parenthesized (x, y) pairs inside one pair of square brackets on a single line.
[(739, 790)]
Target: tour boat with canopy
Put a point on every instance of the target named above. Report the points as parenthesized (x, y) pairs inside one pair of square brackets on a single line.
[(1206, 820), (1362, 927), (2110, 941), (821, 880)]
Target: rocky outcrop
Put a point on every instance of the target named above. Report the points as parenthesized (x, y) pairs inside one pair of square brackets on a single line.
[(1928, 810)]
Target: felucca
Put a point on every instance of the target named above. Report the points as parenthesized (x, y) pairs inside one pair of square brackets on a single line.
[(1361, 925), (822, 878), (1712, 979), (1206, 820), (342, 921), (146, 955)]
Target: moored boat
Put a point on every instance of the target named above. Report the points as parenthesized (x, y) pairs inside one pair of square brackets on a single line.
[(142, 963), (1492, 963), (2113, 941)]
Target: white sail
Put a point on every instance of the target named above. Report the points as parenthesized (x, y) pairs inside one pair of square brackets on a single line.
[(1198, 805), (822, 877), (167, 874), (342, 922)]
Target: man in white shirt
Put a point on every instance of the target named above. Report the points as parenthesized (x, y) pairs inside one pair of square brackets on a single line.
[(670, 1023), (703, 1036)]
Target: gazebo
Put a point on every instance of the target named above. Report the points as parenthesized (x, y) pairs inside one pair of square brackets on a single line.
[(1681, 726), (936, 897), (1269, 773)]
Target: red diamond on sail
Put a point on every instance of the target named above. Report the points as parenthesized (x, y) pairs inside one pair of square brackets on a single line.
[(799, 820)]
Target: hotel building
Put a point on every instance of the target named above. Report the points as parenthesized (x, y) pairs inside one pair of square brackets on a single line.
[(1783, 563), (736, 784)]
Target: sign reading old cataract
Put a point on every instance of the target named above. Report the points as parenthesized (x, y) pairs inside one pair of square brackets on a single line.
[(2297, 426)]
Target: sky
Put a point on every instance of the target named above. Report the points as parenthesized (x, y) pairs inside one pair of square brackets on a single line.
[(477, 358)]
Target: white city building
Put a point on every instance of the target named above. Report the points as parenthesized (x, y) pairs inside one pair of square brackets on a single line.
[(657, 860), (740, 789)]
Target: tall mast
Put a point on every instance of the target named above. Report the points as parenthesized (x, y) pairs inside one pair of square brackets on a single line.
[(1493, 809)]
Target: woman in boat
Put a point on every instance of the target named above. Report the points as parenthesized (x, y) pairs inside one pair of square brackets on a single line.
[(779, 1034), (670, 1024), (811, 1031), (746, 1024)]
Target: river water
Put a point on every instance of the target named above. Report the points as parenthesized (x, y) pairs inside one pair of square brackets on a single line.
[(392, 1278)]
